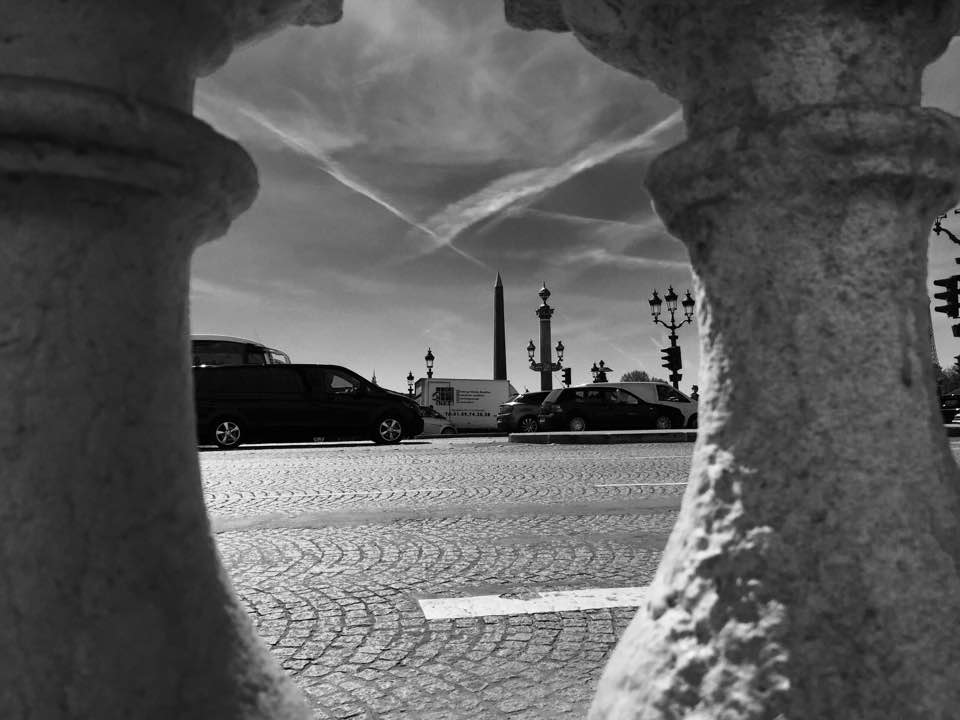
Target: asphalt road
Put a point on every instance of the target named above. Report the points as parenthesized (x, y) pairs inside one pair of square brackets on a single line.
[(337, 550)]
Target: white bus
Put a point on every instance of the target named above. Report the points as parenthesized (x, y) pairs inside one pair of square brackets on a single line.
[(227, 350)]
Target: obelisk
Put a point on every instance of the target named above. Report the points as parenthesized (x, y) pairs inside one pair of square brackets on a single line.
[(499, 333)]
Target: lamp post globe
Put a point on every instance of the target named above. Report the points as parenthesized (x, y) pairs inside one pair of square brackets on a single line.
[(671, 299), (655, 305), (688, 304), (429, 358)]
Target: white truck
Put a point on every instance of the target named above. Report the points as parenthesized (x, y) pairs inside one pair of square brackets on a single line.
[(468, 404)]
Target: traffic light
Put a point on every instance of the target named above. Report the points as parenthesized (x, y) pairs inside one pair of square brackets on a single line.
[(567, 377), (671, 359), (950, 296)]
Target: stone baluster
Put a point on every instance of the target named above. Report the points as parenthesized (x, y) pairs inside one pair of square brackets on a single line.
[(113, 599), (813, 571)]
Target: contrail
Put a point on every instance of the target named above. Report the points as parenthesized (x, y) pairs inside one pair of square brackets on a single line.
[(338, 173), (649, 223), (512, 190)]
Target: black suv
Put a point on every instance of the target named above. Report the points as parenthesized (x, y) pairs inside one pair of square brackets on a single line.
[(249, 403), (520, 413), (603, 407)]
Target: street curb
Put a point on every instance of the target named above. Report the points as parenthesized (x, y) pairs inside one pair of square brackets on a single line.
[(463, 434), (600, 437)]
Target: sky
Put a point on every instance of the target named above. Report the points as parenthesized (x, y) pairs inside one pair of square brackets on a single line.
[(412, 151)]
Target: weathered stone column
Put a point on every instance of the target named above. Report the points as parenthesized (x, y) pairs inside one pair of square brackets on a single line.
[(813, 572), (113, 601)]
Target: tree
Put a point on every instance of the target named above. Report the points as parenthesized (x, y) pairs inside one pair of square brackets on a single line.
[(948, 380), (639, 376)]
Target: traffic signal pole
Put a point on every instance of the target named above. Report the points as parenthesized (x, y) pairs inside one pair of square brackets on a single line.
[(951, 285), (672, 361)]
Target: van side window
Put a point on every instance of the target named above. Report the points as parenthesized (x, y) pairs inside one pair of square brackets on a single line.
[(668, 394), (246, 380), (283, 380), (625, 398), (271, 379), (341, 384)]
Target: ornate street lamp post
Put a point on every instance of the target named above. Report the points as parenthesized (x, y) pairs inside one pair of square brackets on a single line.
[(429, 360), (600, 372), (410, 383), (545, 367), (671, 355)]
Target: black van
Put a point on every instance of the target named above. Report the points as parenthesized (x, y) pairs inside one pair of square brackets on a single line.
[(228, 350), (290, 403)]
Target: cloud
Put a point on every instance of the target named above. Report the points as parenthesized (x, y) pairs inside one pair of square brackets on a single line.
[(316, 144), (205, 288), (526, 186), (602, 256)]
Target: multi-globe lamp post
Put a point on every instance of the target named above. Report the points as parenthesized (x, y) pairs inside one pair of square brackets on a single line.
[(546, 367), (671, 355)]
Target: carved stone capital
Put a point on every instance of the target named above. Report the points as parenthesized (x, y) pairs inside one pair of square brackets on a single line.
[(141, 50), (49, 128), (815, 153), (745, 60)]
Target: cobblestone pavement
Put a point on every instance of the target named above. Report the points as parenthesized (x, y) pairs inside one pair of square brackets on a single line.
[(331, 547)]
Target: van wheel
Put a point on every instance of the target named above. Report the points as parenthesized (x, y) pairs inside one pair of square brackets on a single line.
[(529, 424), (227, 433), (663, 422), (577, 424), (448, 431), (389, 430)]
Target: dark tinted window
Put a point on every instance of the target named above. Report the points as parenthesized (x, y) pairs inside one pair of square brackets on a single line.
[(534, 398), (341, 383), (217, 352), (269, 379), (255, 356), (625, 398), (668, 394), (227, 352)]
